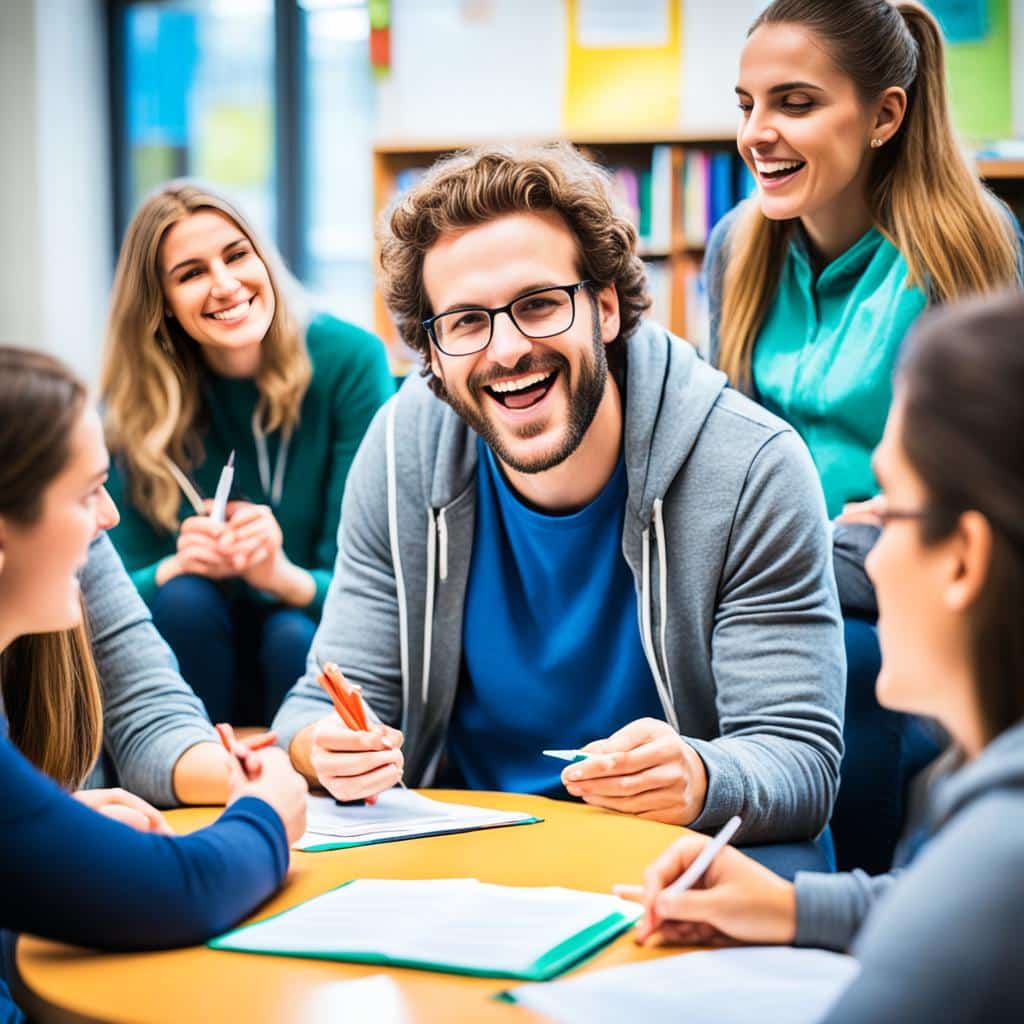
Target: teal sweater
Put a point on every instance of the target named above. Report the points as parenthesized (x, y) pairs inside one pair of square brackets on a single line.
[(351, 380), (826, 353)]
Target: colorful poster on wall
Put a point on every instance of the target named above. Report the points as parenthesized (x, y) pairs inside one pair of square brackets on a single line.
[(980, 72), (622, 67)]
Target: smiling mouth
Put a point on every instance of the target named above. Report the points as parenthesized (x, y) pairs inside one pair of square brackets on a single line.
[(523, 393), (777, 170), (235, 312)]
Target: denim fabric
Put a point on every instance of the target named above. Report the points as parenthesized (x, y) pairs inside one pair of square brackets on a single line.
[(884, 750), (240, 658)]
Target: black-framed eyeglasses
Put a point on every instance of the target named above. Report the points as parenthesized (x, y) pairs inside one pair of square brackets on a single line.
[(541, 313), (888, 515)]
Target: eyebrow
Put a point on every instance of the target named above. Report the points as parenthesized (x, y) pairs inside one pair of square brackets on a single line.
[(461, 307), (240, 240), (785, 87)]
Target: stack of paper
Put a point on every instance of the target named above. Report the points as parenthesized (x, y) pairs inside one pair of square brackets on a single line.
[(459, 925), (397, 814), (728, 986)]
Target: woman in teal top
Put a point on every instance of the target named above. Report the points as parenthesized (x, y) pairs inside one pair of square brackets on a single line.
[(865, 212), (205, 357)]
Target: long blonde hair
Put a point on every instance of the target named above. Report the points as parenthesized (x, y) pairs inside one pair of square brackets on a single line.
[(150, 380), (922, 194), (51, 691)]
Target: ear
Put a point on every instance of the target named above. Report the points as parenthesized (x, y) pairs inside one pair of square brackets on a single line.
[(608, 313), (892, 108), (972, 552)]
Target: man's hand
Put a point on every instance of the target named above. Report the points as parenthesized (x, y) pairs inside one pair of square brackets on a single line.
[(354, 765), (646, 769)]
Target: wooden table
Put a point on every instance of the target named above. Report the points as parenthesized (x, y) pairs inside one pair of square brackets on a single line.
[(576, 845)]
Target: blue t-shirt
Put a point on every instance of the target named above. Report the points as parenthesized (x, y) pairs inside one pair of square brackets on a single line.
[(551, 639)]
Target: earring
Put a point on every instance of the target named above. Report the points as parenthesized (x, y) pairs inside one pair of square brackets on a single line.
[(875, 143)]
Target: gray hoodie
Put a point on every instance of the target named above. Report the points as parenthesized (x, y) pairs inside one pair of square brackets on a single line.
[(725, 533), (940, 939)]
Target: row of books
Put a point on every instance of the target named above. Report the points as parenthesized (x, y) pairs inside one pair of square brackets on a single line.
[(694, 325), (712, 182)]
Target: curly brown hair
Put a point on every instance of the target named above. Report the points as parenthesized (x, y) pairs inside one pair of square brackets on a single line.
[(481, 184)]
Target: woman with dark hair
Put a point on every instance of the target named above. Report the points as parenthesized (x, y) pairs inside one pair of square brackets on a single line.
[(943, 944), (169, 892), (866, 211)]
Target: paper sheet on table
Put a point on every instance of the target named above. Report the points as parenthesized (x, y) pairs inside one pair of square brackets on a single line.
[(397, 814), (451, 924), (758, 985)]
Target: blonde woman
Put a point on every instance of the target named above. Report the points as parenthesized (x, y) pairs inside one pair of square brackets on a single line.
[(865, 212), (205, 357), (169, 891)]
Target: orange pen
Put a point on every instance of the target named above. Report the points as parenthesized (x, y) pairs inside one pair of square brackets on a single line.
[(235, 749)]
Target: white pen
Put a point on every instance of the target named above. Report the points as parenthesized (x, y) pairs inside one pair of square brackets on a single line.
[(220, 499), (567, 755), (706, 856)]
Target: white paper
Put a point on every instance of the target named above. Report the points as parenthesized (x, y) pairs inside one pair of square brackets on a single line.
[(759, 985), (375, 999), (458, 922), (611, 23), (397, 814)]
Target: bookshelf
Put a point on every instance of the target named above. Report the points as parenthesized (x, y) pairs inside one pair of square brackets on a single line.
[(673, 215), (651, 173)]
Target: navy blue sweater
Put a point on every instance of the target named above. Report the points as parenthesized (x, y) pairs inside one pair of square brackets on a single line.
[(73, 875)]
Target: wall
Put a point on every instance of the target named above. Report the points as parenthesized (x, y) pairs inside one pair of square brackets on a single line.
[(55, 250)]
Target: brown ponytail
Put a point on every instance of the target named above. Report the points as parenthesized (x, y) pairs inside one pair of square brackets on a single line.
[(50, 688), (923, 195)]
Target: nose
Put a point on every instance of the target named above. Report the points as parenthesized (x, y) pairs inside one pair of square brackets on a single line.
[(508, 344), (224, 281), (757, 129), (107, 516)]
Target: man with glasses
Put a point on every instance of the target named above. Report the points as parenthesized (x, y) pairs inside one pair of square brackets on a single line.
[(571, 534)]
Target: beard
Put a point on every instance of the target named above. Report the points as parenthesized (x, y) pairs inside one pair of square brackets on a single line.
[(584, 400)]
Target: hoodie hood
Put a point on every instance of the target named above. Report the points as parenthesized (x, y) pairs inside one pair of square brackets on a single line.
[(670, 392), (999, 766)]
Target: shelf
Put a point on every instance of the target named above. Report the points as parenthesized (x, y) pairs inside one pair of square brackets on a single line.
[(1000, 169), (395, 147)]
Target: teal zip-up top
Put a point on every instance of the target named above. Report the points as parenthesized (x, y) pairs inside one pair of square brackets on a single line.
[(826, 353), (351, 380)]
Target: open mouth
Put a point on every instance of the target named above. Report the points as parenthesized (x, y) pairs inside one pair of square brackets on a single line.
[(775, 171), (523, 393), (234, 313)]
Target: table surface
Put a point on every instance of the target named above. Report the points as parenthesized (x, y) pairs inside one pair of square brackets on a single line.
[(576, 845)]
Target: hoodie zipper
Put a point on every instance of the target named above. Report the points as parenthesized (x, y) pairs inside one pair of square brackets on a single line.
[(662, 683)]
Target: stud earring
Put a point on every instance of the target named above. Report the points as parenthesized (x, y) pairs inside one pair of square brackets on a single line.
[(875, 143)]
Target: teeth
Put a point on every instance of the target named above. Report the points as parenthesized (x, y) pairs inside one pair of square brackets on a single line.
[(774, 166), (233, 313), (505, 386)]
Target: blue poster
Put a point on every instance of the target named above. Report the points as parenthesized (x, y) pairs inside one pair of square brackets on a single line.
[(962, 21)]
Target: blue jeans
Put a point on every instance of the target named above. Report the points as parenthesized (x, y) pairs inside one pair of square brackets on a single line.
[(786, 859), (884, 750), (239, 657)]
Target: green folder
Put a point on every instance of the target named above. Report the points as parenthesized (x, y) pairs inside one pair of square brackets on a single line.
[(554, 961)]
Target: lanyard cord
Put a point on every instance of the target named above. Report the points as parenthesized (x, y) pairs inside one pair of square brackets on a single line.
[(272, 488)]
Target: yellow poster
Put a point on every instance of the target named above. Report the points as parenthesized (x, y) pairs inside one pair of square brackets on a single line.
[(623, 66)]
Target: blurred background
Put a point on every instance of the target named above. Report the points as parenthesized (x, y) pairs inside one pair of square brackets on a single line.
[(313, 113)]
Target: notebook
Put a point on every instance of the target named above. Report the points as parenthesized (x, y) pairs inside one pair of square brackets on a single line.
[(758, 985), (458, 925), (397, 814)]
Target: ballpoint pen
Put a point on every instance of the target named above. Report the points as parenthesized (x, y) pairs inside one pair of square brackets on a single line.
[(706, 856), (220, 498), (572, 756)]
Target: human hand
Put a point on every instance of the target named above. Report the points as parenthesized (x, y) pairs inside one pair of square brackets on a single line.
[(735, 900), (646, 769), (253, 543), (125, 807), (356, 765), (275, 781), (863, 512), (198, 552)]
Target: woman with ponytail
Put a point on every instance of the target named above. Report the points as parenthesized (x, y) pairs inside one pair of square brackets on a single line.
[(866, 212), (60, 861)]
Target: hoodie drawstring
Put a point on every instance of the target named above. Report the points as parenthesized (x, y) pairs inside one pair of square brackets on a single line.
[(663, 685), (396, 561)]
